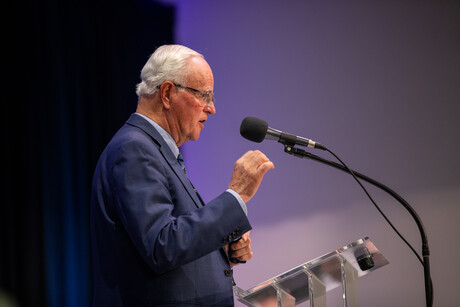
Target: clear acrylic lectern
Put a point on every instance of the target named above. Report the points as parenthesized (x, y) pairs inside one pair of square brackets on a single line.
[(311, 280)]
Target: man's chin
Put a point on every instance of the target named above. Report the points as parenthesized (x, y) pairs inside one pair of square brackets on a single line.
[(195, 136)]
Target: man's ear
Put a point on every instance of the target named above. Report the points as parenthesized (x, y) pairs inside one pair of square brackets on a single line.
[(166, 91)]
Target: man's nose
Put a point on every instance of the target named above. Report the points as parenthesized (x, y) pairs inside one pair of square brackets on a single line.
[(210, 109)]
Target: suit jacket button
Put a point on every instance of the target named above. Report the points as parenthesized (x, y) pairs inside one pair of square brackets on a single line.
[(228, 272), (238, 231)]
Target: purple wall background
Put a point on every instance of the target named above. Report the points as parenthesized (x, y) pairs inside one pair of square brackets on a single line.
[(375, 81)]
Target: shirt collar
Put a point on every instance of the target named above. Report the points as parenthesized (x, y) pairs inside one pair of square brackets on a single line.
[(165, 135)]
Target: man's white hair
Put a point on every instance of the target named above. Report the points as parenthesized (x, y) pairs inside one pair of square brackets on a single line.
[(167, 63)]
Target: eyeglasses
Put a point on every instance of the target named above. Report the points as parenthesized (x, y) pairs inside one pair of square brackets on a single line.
[(208, 97)]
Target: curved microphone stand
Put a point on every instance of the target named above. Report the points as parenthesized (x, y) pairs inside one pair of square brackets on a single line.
[(425, 249)]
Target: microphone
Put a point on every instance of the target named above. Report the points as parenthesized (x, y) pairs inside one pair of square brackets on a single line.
[(256, 130)]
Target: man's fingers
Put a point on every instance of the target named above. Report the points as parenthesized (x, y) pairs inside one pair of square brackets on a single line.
[(241, 249), (266, 166), (242, 254), (242, 243)]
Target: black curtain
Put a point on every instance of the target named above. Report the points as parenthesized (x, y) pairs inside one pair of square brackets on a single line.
[(69, 84)]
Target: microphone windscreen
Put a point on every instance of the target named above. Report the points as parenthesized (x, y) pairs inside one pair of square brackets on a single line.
[(253, 129)]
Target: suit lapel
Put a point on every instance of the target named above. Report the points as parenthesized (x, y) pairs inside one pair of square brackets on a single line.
[(169, 157)]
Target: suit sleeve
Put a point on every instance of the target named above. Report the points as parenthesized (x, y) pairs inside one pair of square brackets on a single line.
[(160, 218)]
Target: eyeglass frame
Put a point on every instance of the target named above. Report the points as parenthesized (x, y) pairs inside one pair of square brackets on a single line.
[(204, 95)]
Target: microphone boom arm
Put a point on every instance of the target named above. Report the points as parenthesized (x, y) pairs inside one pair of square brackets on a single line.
[(300, 153)]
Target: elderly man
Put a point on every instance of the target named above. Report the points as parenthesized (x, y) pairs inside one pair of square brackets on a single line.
[(154, 241)]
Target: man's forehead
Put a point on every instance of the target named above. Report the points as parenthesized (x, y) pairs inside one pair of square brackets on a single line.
[(200, 74)]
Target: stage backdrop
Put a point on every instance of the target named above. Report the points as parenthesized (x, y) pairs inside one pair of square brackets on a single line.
[(377, 83), (69, 85)]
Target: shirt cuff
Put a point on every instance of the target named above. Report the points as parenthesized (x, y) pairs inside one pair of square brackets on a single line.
[(240, 200)]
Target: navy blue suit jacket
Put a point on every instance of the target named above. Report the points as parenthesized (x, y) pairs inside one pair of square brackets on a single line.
[(153, 241)]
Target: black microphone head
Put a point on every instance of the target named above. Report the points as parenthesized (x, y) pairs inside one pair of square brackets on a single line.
[(253, 129)]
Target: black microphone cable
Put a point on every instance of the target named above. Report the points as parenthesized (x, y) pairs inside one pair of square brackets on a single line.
[(375, 204), (302, 153)]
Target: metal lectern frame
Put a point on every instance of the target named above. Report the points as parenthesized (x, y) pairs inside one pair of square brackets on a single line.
[(311, 280)]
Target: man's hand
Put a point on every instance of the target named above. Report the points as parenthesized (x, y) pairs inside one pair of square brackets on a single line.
[(241, 249), (248, 172)]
